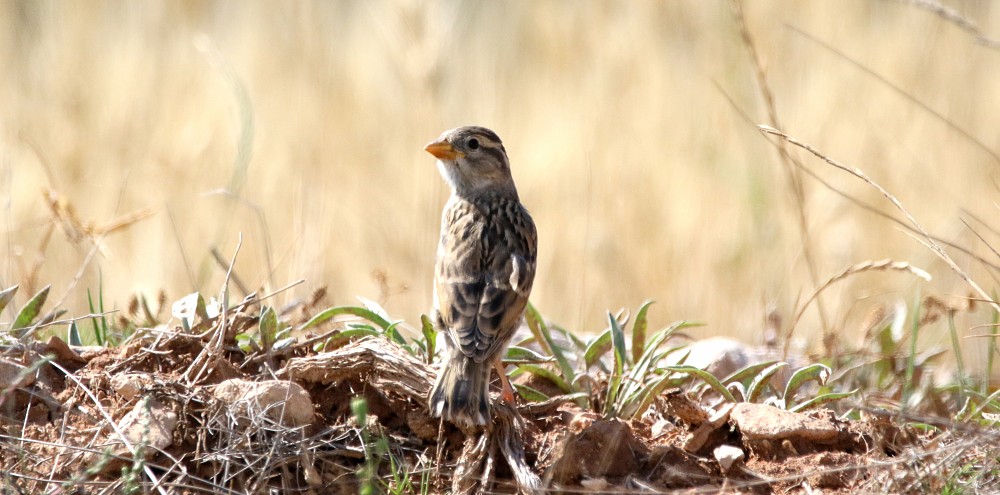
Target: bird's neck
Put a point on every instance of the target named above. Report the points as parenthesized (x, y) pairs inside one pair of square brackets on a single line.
[(479, 194)]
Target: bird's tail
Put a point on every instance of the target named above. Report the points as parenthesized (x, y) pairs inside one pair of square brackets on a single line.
[(461, 392)]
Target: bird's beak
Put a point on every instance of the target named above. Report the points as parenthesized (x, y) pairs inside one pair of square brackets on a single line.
[(443, 150)]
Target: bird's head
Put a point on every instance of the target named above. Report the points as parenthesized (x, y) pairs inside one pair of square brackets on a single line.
[(473, 161)]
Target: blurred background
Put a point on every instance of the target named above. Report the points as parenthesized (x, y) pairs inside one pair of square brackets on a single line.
[(157, 131)]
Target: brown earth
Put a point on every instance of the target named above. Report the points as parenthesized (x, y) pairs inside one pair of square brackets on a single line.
[(151, 415)]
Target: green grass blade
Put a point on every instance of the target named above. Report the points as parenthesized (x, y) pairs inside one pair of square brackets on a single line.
[(746, 374), (822, 399), (93, 321), (611, 404), (430, 337), (596, 348), (545, 373), (635, 380), (639, 331), (570, 336), (530, 394), (268, 327), (6, 296), (912, 357), (818, 372), (374, 307), (29, 312), (618, 344), (706, 377), (762, 380), (537, 325), (959, 361), (393, 334), (246, 343), (100, 303), (659, 338), (360, 312), (523, 355), (73, 335), (354, 333), (991, 347), (653, 390)]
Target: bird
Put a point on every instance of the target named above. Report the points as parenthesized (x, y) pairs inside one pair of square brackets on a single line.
[(484, 271)]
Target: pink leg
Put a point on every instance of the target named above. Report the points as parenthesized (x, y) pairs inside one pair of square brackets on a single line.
[(506, 391)]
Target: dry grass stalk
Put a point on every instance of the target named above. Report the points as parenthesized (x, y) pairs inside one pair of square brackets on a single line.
[(953, 16), (792, 167), (76, 230), (902, 92), (986, 243), (865, 266), (862, 204), (925, 238), (214, 348)]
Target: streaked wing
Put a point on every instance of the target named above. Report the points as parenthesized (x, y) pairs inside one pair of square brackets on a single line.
[(485, 269)]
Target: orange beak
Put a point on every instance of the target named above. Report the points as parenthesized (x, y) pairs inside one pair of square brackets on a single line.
[(443, 150)]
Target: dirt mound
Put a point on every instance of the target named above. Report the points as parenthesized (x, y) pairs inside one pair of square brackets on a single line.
[(182, 412)]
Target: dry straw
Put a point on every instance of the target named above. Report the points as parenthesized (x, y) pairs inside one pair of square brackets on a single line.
[(866, 266), (925, 238)]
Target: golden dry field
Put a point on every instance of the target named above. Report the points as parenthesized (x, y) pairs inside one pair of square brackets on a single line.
[(170, 128)]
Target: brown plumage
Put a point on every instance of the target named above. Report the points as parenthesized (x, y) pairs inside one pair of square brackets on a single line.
[(484, 271)]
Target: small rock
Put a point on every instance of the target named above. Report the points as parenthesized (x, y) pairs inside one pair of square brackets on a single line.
[(284, 402), (762, 422), (659, 428), (594, 484), (149, 423), (727, 456), (129, 385)]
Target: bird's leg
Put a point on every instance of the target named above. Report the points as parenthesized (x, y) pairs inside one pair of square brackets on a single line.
[(506, 391)]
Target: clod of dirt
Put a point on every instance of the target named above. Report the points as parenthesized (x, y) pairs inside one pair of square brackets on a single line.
[(596, 448), (830, 478), (672, 467), (129, 385), (422, 425), (62, 351), (27, 381), (833, 471), (149, 423), (680, 405), (710, 432), (286, 403), (763, 422), (14, 375), (145, 430)]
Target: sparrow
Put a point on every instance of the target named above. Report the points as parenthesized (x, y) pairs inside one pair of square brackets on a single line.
[(483, 274)]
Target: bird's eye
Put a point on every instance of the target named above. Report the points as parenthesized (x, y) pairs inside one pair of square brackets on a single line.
[(473, 144)]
